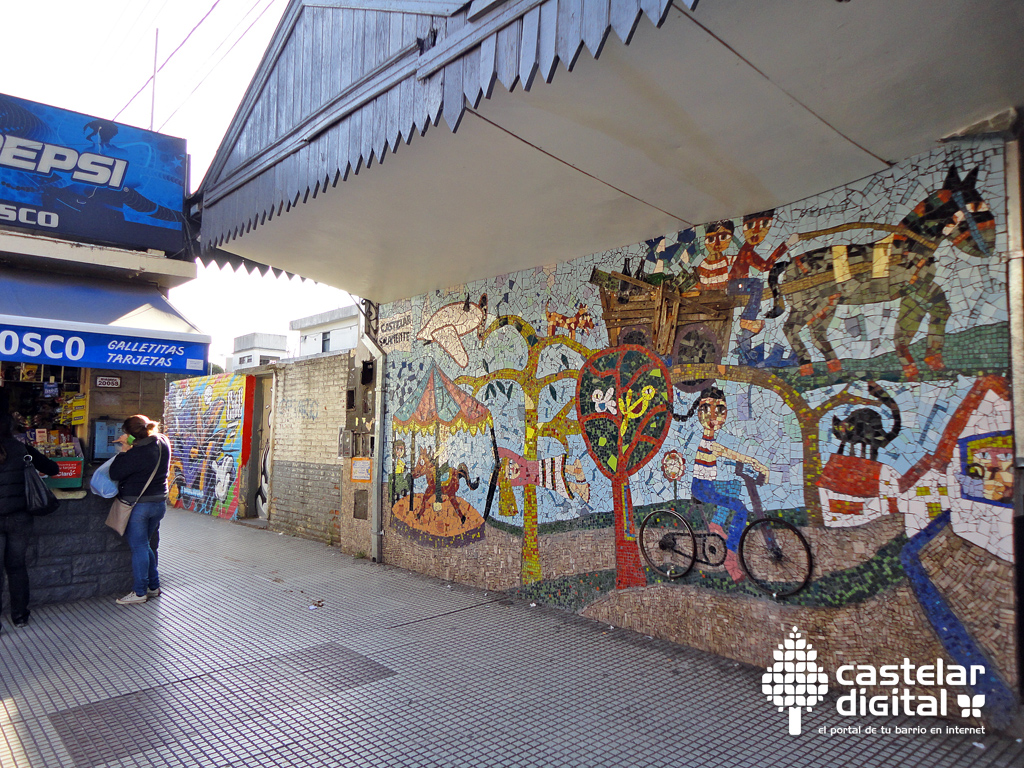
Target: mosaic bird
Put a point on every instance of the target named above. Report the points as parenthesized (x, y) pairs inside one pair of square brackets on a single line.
[(450, 323), (604, 402), (634, 409)]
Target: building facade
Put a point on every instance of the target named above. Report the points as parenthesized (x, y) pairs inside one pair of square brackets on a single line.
[(333, 331), (256, 349), (699, 339)]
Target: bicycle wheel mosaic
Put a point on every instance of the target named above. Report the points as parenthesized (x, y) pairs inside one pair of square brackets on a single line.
[(840, 362)]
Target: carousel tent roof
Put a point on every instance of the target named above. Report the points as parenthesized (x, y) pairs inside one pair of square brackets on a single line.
[(437, 402)]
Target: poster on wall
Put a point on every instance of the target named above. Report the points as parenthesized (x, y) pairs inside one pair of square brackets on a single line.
[(70, 175), (361, 470)]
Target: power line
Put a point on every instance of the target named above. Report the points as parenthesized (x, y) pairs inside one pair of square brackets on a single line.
[(227, 37), (141, 14), (160, 68), (218, 63)]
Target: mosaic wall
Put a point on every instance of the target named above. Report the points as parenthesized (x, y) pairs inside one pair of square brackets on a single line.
[(838, 365), (208, 421)]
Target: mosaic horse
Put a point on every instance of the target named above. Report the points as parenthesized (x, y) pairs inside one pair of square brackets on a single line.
[(900, 267), (446, 489)]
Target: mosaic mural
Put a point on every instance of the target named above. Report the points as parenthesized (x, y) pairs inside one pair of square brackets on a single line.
[(208, 424), (839, 364)]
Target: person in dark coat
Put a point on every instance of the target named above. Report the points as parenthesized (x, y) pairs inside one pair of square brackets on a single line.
[(15, 520), (142, 450)]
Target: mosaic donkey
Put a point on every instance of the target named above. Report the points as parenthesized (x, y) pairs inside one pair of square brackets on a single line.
[(900, 267)]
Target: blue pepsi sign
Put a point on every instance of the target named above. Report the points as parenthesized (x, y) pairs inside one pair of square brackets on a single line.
[(83, 349), (69, 175)]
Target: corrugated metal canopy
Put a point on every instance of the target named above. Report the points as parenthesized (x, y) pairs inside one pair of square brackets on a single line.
[(741, 106)]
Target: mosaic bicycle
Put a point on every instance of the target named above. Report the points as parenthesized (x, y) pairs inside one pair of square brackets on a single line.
[(772, 552)]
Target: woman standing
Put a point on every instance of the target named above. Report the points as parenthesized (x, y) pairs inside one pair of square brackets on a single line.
[(140, 471), (15, 521)]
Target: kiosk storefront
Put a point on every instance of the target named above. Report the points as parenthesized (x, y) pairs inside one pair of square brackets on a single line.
[(92, 236), (75, 351)]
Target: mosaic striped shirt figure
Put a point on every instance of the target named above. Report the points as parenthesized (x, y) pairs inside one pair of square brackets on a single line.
[(713, 272), (712, 412)]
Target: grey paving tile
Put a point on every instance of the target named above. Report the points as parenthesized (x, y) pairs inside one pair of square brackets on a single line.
[(232, 668)]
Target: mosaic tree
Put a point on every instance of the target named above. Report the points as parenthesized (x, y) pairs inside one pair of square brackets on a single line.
[(624, 409), (559, 427)]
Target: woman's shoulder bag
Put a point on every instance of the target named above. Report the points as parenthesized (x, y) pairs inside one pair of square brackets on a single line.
[(39, 499)]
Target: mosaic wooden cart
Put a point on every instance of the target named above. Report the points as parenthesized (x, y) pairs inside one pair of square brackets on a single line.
[(682, 327)]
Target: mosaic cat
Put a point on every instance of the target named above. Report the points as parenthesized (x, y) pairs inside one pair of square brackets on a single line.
[(863, 426)]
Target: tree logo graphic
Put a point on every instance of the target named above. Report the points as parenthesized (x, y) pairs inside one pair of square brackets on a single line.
[(795, 680)]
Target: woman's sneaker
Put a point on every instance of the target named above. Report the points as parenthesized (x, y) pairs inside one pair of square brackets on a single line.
[(131, 599), (153, 592)]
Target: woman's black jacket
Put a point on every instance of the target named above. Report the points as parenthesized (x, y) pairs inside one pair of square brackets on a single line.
[(130, 470), (12, 474)]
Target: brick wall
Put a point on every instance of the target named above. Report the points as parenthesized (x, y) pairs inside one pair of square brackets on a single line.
[(309, 492), (305, 498), (208, 421)]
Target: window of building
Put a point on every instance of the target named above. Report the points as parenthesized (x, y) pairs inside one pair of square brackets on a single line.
[(244, 359), (325, 342), (264, 360)]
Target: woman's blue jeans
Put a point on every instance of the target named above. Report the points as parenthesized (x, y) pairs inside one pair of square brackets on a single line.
[(144, 522)]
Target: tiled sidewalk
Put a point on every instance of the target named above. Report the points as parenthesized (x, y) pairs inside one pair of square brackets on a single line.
[(270, 651)]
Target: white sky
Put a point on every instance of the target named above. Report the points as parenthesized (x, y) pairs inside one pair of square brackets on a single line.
[(92, 56)]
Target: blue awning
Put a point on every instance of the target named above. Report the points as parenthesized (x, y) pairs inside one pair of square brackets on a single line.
[(91, 323)]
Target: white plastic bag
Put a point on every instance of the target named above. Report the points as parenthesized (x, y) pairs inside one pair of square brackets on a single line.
[(101, 484)]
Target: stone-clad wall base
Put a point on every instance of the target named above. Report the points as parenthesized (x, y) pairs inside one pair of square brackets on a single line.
[(837, 549), (587, 551), (563, 554), (492, 563), (75, 556), (882, 630), (979, 588)]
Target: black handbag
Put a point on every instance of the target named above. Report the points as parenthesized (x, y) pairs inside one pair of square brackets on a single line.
[(39, 499)]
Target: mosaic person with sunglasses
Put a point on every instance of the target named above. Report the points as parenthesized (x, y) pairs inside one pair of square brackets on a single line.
[(140, 471)]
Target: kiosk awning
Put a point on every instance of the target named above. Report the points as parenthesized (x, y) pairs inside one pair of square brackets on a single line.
[(91, 323)]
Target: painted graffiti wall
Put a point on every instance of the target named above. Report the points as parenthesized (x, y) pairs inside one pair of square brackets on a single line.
[(208, 420), (800, 414)]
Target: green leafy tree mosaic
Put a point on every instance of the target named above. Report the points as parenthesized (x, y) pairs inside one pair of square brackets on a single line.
[(624, 402)]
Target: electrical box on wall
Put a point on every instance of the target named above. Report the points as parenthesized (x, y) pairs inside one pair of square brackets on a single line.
[(345, 441), (361, 504)]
